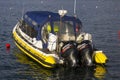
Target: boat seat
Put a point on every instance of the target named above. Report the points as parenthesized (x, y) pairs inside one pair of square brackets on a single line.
[(66, 37)]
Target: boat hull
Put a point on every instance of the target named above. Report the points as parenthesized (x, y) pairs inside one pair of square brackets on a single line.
[(45, 59)]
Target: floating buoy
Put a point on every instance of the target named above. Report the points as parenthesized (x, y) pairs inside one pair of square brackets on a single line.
[(119, 34), (100, 57), (7, 46)]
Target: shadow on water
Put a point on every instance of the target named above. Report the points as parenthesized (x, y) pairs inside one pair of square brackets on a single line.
[(33, 71)]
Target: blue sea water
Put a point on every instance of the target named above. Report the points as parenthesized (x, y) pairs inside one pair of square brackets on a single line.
[(101, 18)]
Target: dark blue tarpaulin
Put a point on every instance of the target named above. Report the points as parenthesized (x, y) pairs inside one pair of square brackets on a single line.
[(39, 18)]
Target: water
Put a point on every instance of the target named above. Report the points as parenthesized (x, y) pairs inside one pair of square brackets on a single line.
[(100, 18)]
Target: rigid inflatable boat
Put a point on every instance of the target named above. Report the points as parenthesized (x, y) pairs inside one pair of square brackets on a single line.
[(53, 39)]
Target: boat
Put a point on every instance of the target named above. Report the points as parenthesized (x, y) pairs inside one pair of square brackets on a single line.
[(53, 39)]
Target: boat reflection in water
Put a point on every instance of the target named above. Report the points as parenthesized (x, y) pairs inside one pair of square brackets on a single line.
[(100, 72), (33, 70), (30, 68)]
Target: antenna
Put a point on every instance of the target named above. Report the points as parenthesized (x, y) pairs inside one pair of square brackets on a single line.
[(75, 8), (23, 9)]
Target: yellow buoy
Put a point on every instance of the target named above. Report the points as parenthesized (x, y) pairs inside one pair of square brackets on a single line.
[(99, 57)]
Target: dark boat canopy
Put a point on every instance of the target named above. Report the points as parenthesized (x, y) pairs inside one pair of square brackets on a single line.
[(39, 18)]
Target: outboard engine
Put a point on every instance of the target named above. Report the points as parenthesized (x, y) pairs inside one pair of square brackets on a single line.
[(85, 50), (69, 54)]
